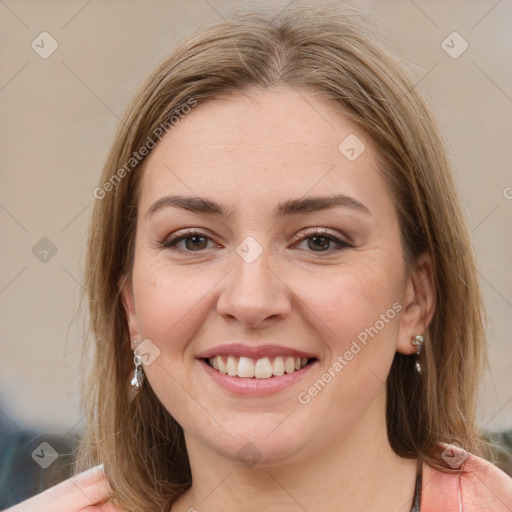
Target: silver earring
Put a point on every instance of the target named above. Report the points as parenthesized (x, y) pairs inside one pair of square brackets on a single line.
[(418, 341), (138, 374)]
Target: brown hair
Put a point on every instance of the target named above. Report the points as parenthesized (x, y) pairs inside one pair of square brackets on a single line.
[(334, 54)]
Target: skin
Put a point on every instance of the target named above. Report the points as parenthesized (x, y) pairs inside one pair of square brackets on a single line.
[(250, 153)]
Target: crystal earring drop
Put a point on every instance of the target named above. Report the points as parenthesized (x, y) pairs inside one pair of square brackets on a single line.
[(138, 374), (418, 341)]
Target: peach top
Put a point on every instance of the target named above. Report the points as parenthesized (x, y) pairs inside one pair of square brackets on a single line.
[(482, 487)]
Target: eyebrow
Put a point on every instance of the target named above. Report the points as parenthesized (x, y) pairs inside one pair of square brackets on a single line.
[(205, 206)]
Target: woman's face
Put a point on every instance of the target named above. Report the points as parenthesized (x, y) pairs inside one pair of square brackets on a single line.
[(266, 237)]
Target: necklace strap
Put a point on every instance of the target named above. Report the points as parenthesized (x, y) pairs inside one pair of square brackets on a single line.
[(416, 501)]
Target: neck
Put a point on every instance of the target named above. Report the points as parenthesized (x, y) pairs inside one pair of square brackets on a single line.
[(360, 472)]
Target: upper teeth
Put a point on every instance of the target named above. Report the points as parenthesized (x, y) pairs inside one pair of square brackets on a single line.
[(260, 368)]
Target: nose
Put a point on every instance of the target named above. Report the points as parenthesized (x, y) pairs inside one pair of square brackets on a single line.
[(254, 294)]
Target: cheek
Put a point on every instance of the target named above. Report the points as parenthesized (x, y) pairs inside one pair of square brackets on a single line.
[(167, 300), (358, 314), (170, 311), (355, 298)]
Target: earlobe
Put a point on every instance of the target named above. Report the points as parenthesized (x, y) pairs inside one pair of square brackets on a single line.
[(419, 304), (129, 307)]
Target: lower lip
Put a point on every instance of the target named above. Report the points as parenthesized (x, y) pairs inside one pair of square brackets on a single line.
[(252, 386)]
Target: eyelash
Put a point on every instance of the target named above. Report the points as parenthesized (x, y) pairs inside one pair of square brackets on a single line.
[(172, 241)]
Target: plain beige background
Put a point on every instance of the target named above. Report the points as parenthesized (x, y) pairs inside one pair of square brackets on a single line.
[(59, 115)]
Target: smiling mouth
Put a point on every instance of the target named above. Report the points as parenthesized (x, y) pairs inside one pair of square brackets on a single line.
[(263, 368)]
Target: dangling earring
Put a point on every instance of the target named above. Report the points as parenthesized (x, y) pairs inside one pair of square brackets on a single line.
[(138, 374), (418, 342)]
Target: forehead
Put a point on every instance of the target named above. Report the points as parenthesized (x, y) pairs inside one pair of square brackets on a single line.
[(266, 146)]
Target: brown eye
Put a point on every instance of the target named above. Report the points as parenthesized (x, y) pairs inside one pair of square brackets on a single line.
[(193, 242), (196, 242), (321, 241)]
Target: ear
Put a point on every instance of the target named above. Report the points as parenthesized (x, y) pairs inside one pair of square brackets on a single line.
[(129, 307), (418, 302)]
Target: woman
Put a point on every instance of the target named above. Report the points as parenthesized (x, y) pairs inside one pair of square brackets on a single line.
[(285, 306)]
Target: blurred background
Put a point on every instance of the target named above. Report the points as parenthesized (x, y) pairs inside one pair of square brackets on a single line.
[(67, 71)]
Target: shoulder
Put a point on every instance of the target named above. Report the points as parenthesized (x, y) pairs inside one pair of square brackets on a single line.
[(81, 493), (484, 486), (480, 485)]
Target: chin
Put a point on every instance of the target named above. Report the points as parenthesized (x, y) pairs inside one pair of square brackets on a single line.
[(261, 446)]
